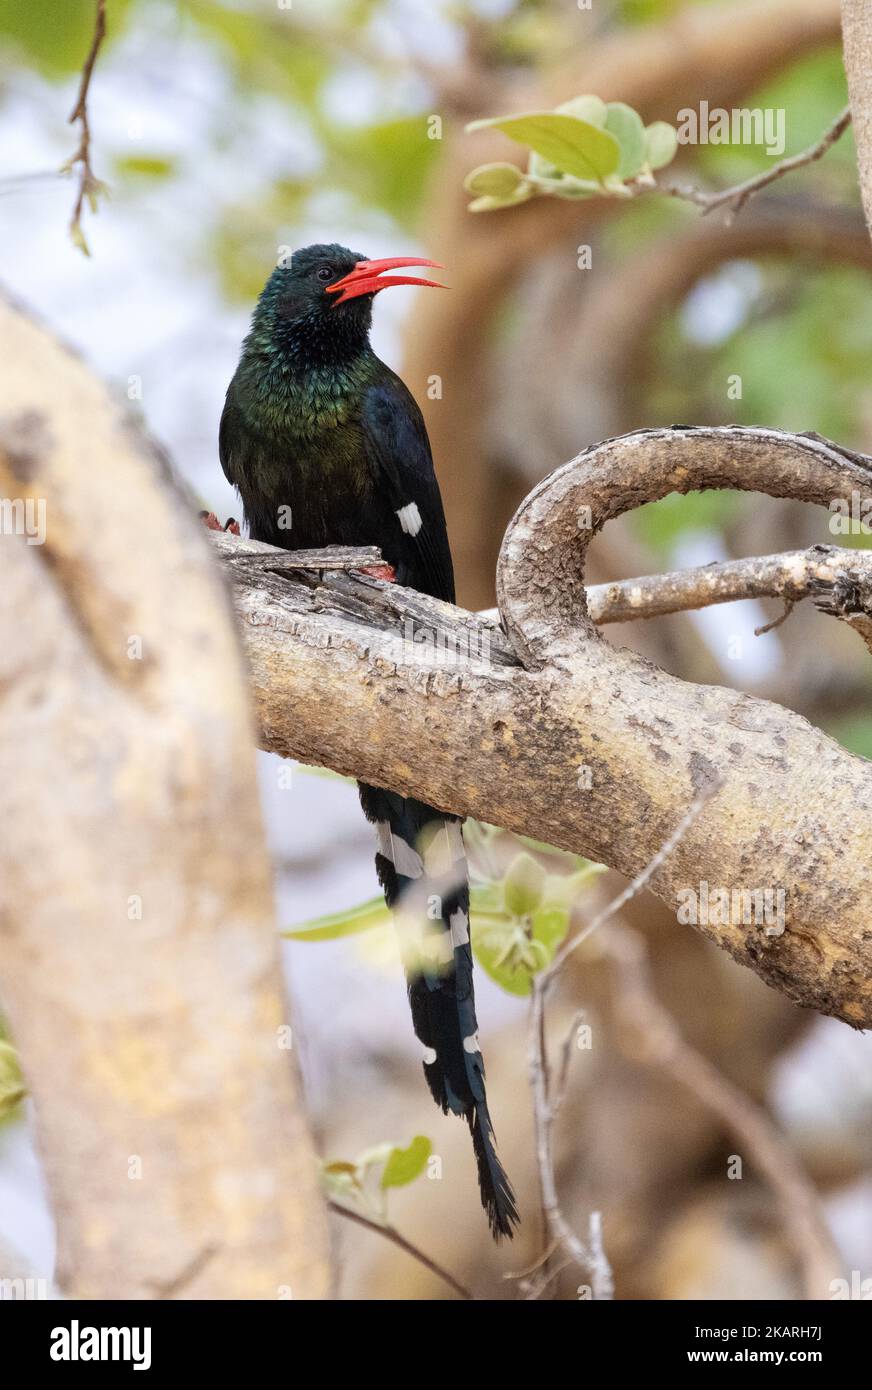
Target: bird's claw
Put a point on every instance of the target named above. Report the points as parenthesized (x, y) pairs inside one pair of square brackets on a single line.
[(385, 572), (211, 522)]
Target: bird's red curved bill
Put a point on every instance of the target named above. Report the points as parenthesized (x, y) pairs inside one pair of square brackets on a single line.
[(368, 277)]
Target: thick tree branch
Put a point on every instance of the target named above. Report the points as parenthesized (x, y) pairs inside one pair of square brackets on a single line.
[(857, 49), (138, 956), (555, 733)]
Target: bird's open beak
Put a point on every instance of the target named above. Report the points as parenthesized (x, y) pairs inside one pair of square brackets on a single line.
[(367, 277)]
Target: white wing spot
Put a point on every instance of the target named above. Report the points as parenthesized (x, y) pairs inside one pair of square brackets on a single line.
[(429, 1056), (470, 1044), (459, 923), (410, 519)]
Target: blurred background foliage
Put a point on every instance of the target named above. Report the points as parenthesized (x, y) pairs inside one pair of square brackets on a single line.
[(228, 129)]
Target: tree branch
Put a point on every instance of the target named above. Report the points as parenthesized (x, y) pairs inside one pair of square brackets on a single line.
[(839, 581), (658, 1041), (735, 198), (857, 49), (140, 972), (393, 1235), (356, 675)]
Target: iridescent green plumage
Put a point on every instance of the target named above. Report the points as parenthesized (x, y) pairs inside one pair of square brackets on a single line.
[(327, 447)]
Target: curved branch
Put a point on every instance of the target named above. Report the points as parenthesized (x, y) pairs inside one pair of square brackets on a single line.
[(556, 734), (540, 582)]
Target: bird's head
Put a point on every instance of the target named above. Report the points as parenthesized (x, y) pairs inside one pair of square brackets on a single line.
[(319, 302)]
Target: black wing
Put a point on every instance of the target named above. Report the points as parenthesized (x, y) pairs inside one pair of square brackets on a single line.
[(230, 433), (398, 450)]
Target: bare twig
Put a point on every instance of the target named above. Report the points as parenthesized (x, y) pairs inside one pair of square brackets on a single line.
[(565, 1057), (390, 1233), (736, 197), (789, 605), (645, 1018), (660, 1044), (558, 1232), (792, 576), (90, 187), (602, 1279)]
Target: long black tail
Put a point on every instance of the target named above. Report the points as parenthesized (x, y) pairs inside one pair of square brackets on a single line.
[(422, 868)]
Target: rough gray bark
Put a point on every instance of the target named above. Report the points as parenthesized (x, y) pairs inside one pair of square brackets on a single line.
[(857, 50), (552, 732), (138, 957)]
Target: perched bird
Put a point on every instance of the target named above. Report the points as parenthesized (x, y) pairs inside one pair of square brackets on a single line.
[(326, 446)]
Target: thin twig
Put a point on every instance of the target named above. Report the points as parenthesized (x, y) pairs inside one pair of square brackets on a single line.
[(393, 1235), (645, 1018), (565, 1056), (602, 1278), (737, 196), (789, 605), (89, 185), (558, 1232)]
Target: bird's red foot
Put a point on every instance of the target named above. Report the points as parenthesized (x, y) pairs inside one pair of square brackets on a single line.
[(211, 522), (385, 572)]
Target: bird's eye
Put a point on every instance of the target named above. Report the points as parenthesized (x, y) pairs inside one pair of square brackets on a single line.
[(325, 272)]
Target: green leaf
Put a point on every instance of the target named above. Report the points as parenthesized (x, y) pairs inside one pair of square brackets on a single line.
[(564, 889), (506, 952), (577, 188), (586, 108), (486, 898), (550, 925), (405, 1165), (661, 144), (350, 922), (146, 166), (11, 1081), (575, 146), (626, 126), (55, 37), (492, 204), (493, 180), (524, 885)]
